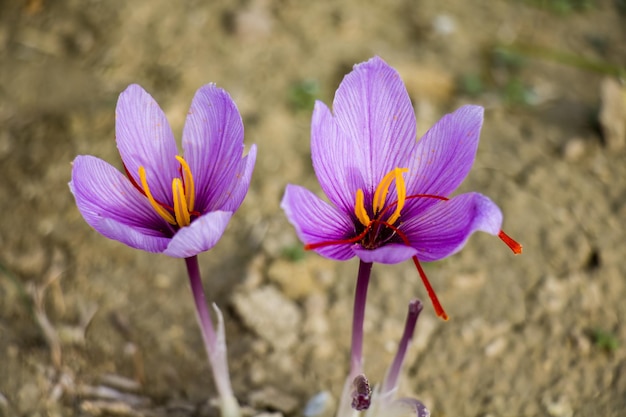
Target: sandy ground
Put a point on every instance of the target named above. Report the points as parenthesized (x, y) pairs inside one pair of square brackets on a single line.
[(90, 327)]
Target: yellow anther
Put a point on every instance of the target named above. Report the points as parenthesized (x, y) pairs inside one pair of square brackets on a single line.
[(189, 191), (359, 208), (380, 195), (401, 191), (155, 205), (181, 209)]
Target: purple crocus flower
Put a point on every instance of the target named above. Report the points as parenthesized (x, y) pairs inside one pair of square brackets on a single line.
[(167, 203), (389, 194), (172, 204)]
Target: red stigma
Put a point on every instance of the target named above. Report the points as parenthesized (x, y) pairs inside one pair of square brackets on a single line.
[(431, 292), (515, 247)]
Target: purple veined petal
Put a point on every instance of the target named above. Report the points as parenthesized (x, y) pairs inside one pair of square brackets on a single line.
[(445, 154), (389, 254), (144, 138), (372, 106), (232, 196), (201, 235), (443, 228), (337, 159), (101, 191), (212, 143), (405, 407), (316, 221), (131, 237)]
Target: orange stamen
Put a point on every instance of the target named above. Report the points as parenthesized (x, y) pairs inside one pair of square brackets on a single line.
[(166, 215), (181, 210), (183, 194), (401, 191), (359, 208), (515, 247), (189, 186), (380, 195)]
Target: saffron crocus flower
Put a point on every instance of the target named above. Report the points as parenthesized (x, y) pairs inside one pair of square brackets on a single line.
[(389, 194), (168, 203)]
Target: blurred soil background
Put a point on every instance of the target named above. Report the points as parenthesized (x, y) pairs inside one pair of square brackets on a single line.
[(89, 327)]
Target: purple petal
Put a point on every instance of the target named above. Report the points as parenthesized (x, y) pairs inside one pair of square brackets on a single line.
[(144, 138), (316, 221), (131, 237), (336, 159), (233, 195), (101, 191), (212, 143), (201, 235), (443, 229), (388, 254), (373, 107), (445, 154)]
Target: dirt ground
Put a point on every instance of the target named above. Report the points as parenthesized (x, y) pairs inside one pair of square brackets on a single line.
[(91, 327)]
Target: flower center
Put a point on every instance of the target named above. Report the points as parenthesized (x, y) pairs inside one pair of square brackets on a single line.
[(183, 193), (380, 197)]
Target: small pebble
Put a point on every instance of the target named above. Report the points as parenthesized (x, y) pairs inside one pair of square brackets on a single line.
[(270, 314), (270, 397), (443, 24), (574, 149)]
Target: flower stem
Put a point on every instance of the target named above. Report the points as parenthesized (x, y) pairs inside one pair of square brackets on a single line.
[(345, 408), (360, 297), (214, 343), (391, 379)]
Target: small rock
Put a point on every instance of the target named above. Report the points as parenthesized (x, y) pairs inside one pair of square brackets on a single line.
[(554, 295), (496, 347), (574, 149), (443, 24), (273, 399), (558, 408), (269, 314)]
